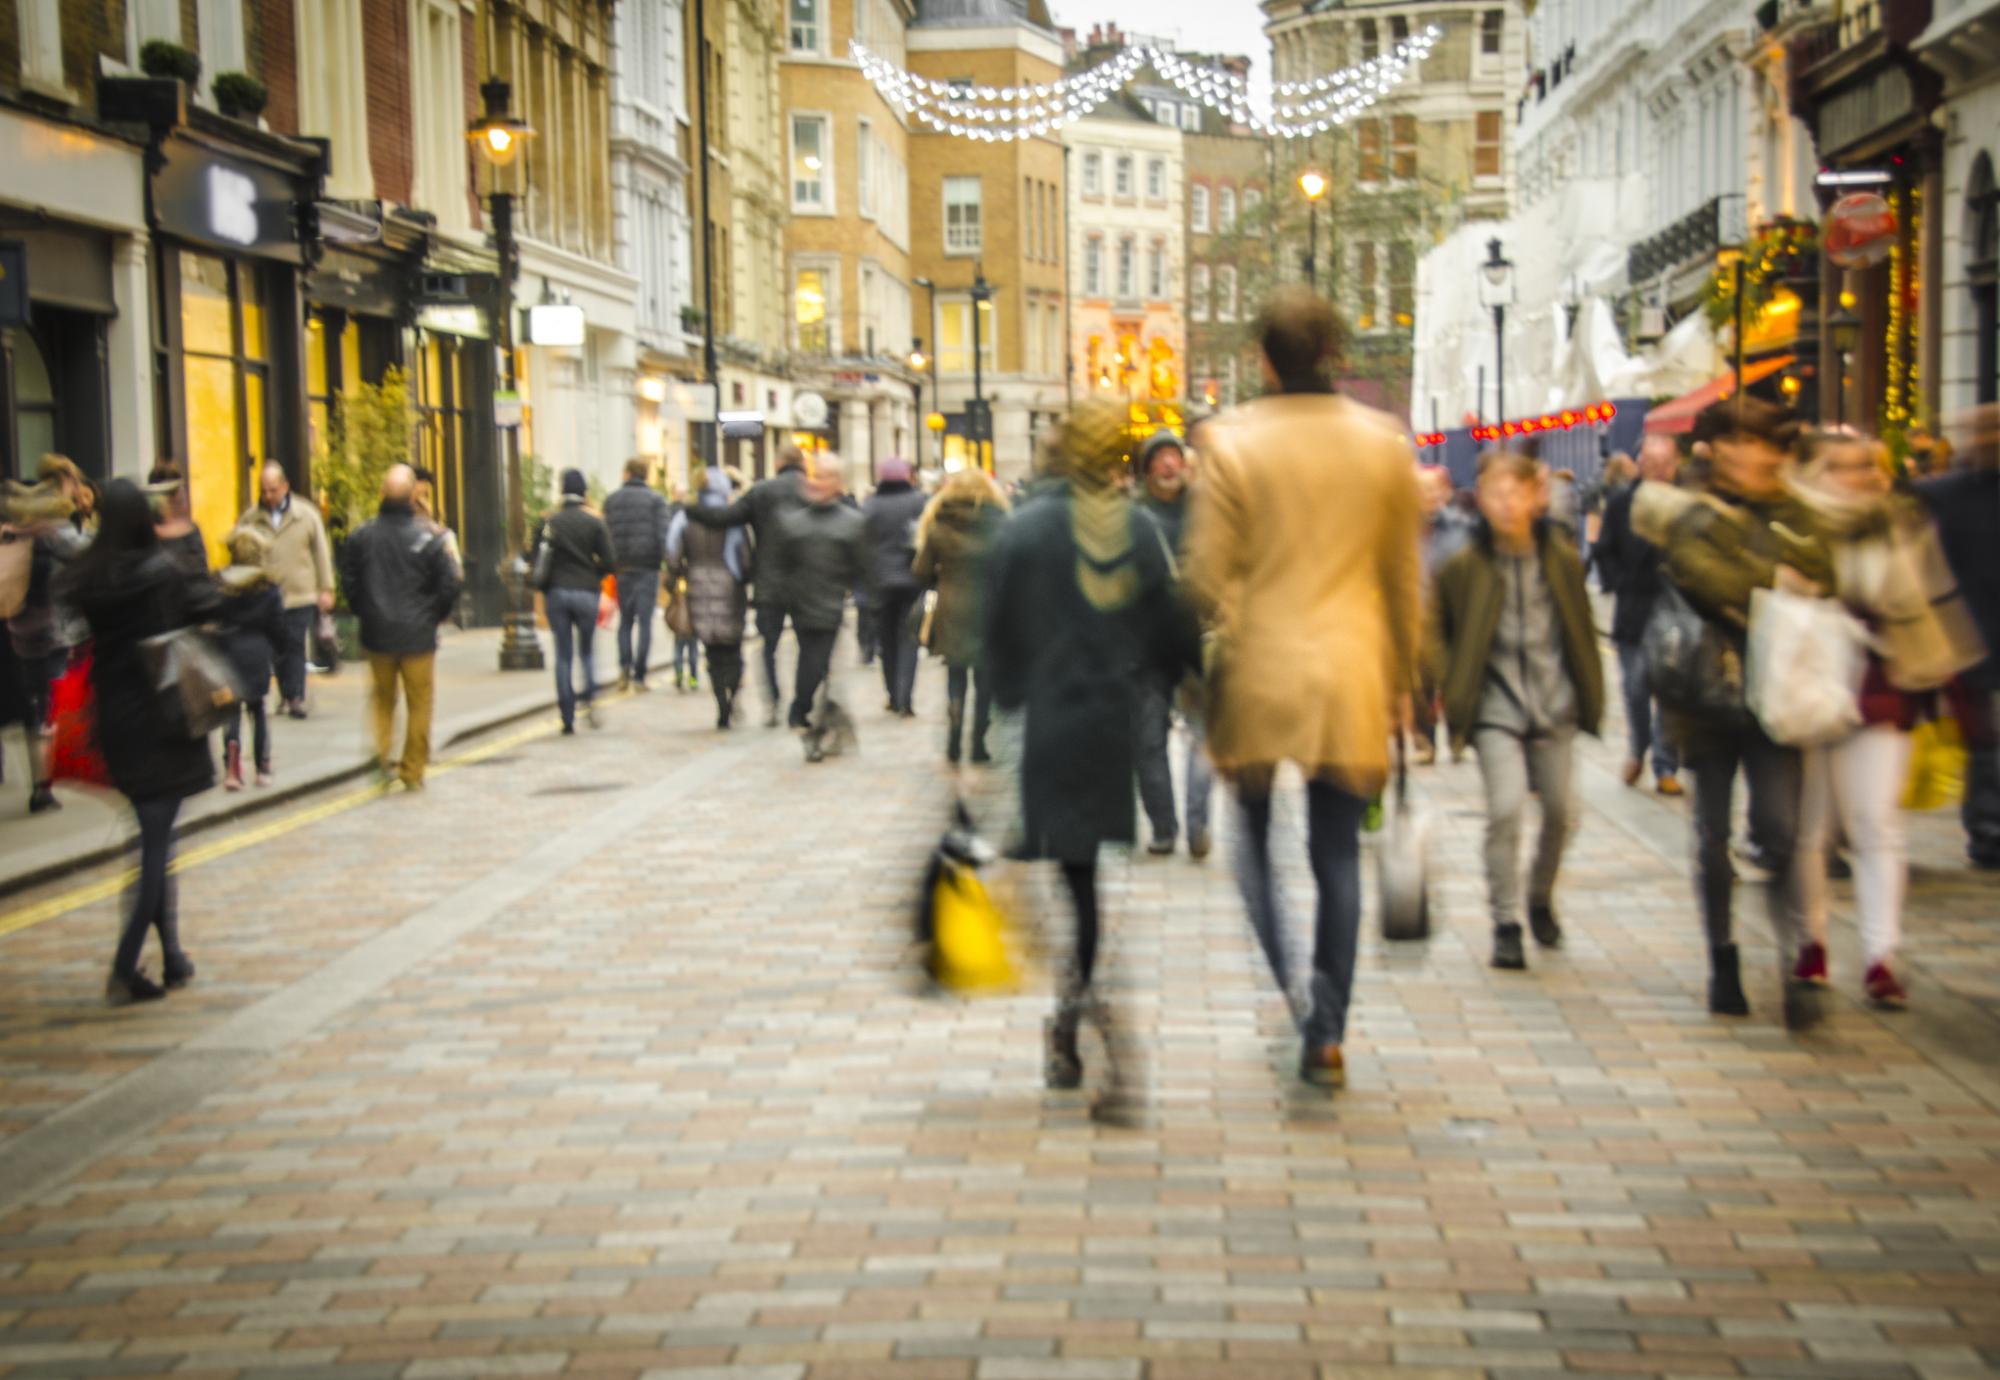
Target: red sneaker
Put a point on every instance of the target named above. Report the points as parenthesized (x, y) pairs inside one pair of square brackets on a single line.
[(1811, 966), (1883, 988)]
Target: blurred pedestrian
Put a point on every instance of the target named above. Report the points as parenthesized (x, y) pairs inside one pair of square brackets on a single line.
[(1630, 570), (130, 589), (891, 515), (1446, 530), (715, 562), (1742, 532), (823, 557), (760, 509), (424, 500), (254, 632), (638, 516), (1965, 503), (300, 565), (1308, 569), (1079, 610), (173, 517), (1514, 650), (1163, 496), (1563, 505), (954, 539), (401, 582), (687, 646), (578, 556), (48, 527)]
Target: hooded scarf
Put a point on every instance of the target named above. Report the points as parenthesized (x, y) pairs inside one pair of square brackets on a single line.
[(1100, 516)]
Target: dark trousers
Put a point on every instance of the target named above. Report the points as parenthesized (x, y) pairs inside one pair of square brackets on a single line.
[(815, 658), (898, 642), (1081, 879), (290, 658), (866, 626), (1981, 810), (153, 897), (1645, 729), (35, 678), (1774, 775), (1333, 846), (573, 625), (260, 731), (1153, 733), (770, 627), (955, 678), (687, 659), (725, 671), (638, 592)]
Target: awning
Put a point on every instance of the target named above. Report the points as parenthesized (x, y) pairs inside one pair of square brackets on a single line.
[(1678, 416)]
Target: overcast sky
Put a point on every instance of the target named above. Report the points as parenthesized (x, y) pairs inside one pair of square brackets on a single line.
[(1207, 26)]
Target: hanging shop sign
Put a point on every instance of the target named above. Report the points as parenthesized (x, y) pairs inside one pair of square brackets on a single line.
[(1859, 229), (555, 324), (237, 205)]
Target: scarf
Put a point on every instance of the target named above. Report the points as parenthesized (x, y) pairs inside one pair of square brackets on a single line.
[(1095, 439)]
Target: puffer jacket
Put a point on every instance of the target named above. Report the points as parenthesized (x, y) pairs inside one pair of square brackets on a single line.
[(891, 515), (761, 509), (637, 515), (400, 580), (823, 557), (957, 535)]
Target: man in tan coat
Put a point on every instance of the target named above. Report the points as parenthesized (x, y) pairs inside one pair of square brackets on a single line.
[(300, 565), (1303, 555)]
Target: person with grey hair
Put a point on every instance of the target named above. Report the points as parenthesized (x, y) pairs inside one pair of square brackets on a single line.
[(299, 562), (824, 555)]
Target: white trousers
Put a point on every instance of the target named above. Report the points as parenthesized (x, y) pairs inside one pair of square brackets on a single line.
[(1858, 784)]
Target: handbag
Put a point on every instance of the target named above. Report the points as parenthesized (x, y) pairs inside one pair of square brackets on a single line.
[(680, 617), (325, 643), (1803, 672), (1691, 665), (1402, 862), (193, 684), (73, 751), (1937, 765), (960, 927)]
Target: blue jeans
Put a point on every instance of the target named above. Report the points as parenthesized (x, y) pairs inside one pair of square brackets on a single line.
[(638, 592), (1333, 845), (573, 612), (1645, 728), (153, 896), (1155, 731)]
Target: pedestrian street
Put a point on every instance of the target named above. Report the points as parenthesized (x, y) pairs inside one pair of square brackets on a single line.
[(602, 1056)]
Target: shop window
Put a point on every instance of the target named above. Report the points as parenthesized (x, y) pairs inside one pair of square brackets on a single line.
[(440, 403), (34, 404), (225, 378)]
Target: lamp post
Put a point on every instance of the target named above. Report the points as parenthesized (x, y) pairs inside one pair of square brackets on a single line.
[(1314, 186), (1844, 330), (1498, 272), (1731, 257), (930, 292), (917, 362), (982, 301), (499, 137)]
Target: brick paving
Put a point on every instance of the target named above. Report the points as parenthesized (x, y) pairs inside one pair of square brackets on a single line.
[(599, 1058)]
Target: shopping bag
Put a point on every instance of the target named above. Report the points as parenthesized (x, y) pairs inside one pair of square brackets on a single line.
[(962, 930), (1937, 766), (1803, 668), (1402, 861), (607, 609), (193, 682), (73, 751), (325, 643)]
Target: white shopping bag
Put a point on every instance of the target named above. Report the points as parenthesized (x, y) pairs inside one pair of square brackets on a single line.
[(1804, 668)]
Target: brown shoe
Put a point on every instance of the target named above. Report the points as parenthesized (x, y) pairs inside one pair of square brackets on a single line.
[(1427, 752), (1629, 774), (1669, 785), (1323, 1067)]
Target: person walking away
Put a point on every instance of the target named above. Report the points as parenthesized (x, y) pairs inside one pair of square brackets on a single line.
[(1965, 504), (1742, 532), (955, 536), (1879, 542), (173, 517), (1163, 497), (300, 565), (424, 500), (254, 629), (687, 648), (1630, 569), (401, 583), (1446, 530), (579, 556), (129, 588), (1307, 569), (715, 562), (1512, 644), (823, 556), (46, 526), (1079, 611), (891, 515), (637, 516), (760, 509)]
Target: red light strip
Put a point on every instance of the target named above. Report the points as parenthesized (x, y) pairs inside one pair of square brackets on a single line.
[(1548, 421)]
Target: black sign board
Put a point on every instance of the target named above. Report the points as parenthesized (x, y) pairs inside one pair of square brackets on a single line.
[(237, 205), (13, 283)]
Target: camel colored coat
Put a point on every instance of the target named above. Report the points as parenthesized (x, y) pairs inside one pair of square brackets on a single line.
[(1302, 553)]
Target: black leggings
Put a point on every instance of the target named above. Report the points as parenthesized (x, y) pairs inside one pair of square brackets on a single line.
[(153, 896), (1081, 878)]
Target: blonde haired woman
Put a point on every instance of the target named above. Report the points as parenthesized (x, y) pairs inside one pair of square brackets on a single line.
[(957, 529)]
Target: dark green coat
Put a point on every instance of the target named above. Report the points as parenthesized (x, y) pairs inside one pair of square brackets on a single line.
[(1465, 612)]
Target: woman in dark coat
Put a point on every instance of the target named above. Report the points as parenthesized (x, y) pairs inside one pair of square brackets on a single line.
[(1079, 609), (953, 539), (892, 513), (715, 562), (129, 589)]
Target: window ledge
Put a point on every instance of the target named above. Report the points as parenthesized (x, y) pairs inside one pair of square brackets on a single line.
[(53, 89)]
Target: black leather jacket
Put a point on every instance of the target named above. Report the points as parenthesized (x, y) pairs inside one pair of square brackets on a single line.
[(400, 580)]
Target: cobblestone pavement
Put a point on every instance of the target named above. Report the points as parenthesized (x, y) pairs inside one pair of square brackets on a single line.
[(598, 1057)]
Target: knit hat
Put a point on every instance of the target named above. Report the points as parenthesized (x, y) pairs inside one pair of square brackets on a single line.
[(1160, 440), (574, 485)]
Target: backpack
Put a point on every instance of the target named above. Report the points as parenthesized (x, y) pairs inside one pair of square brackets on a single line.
[(17, 569), (1691, 665)]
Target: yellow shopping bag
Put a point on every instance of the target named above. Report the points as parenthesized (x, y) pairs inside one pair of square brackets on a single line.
[(1937, 766), (970, 954)]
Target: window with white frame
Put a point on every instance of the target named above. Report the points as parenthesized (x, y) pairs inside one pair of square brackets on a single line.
[(219, 23), (805, 25), (41, 48), (812, 181), (1052, 345), (1128, 268), (1121, 179), (437, 116), (1156, 179), (1093, 174), (1225, 292), (864, 167), (1093, 266), (1198, 209), (961, 215), (333, 92), (1198, 293), (814, 308), (146, 20), (1191, 118), (1156, 271), (1253, 201), (1225, 209), (1032, 334), (955, 336), (871, 302)]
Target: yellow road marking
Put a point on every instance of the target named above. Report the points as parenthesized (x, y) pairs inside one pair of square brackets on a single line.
[(92, 892)]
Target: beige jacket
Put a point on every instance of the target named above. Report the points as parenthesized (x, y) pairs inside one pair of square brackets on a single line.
[(298, 558), (1302, 552)]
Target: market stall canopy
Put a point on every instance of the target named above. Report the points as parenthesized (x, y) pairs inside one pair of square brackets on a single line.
[(1677, 417)]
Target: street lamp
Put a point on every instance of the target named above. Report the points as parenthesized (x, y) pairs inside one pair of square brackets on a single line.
[(1844, 331), (499, 136), (1314, 186), (930, 291), (917, 362), (1498, 273), (1731, 257), (982, 301)]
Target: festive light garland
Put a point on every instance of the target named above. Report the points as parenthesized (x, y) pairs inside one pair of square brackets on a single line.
[(1002, 114)]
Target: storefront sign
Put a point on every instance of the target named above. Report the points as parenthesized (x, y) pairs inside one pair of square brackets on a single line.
[(1867, 109), (506, 408), (555, 325), (232, 204), (1859, 230), (13, 283)]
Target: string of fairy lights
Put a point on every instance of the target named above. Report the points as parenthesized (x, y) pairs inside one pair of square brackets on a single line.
[(1003, 114)]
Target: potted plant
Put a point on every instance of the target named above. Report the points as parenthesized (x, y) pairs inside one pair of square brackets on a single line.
[(690, 318), (159, 58), (372, 429), (239, 95)]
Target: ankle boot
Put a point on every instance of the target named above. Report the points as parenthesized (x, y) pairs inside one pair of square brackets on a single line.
[(1725, 982), (1063, 1067), (954, 733)]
